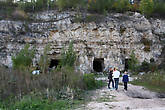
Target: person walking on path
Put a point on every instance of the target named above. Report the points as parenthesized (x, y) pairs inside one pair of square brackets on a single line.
[(125, 80), (116, 75), (110, 77)]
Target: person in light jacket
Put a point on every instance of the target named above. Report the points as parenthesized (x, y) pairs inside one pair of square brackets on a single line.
[(116, 75)]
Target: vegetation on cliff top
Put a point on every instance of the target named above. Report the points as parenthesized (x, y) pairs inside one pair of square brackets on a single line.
[(18, 10)]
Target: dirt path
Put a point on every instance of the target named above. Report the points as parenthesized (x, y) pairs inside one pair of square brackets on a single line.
[(136, 98)]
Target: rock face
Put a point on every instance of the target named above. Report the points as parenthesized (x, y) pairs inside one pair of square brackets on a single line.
[(98, 44)]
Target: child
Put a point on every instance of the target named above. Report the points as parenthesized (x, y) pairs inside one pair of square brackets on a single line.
[(125, 80)]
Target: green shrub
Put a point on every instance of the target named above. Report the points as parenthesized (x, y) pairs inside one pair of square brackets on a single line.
[(44, 60), (159, 8), (133, 62), (17, 83), (68, 57), (27, 6), (147, 7), (99, 6), (23, 59), (146, 66), (121, 5), (70, 78), (6, 9), (41, 5), (134, 7), (63, 4), (89, 80), (91, 83), (6, 4)]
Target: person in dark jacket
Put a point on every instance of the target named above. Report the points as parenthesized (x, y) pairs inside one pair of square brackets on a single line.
[(125, 80), (110, 77)]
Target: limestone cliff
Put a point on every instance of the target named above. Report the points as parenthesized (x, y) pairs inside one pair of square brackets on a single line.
[(108, 42)]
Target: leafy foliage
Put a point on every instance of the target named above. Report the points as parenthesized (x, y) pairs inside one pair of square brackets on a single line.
[(63, 4), (145, 66), (121, 5), (90, 82), (34, 92), (159, 8), (23, 59), (44, 60), (98, 5), (133, 62), (6, 9), (146, 7), (27, 6), (38, 5), (68, 57)]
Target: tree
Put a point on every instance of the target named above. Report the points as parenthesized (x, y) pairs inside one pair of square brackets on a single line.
[(44, 59), (147, 7), (68, 57), (62, 4), (133, 62), (24, 58)]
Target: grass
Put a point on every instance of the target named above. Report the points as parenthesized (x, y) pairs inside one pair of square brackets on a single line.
[(37, 103), (149, 86), (153, 81), (17, 90)]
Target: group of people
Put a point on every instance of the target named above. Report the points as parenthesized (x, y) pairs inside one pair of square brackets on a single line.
[(113, 77)]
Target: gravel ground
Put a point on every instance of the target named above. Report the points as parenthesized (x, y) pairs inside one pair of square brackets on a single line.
[(136, 98)]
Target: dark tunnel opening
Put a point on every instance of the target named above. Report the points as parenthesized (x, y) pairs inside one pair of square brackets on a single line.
[(54, 63), (98, 65)]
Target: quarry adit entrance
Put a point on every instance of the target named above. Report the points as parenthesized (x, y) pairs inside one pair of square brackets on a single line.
[(98, 64), (54, 63)]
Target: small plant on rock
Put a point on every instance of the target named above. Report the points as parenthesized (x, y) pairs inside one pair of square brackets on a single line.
[(23, 59)]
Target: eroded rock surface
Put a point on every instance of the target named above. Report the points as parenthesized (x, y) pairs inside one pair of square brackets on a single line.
[(110, 41)]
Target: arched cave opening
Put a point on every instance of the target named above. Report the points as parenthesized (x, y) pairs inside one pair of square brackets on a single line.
[(127, 64), (98, 64), (54, 63)]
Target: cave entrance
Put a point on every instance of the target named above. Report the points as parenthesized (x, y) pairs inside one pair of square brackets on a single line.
[(127, 64), (54, 63), (98, 64)]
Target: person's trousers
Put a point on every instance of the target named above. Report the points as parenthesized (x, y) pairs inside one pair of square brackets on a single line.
[(125, 85), (116, 83), (109, 83)]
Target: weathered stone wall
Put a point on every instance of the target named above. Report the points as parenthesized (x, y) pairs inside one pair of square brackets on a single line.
[(113, 39)]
